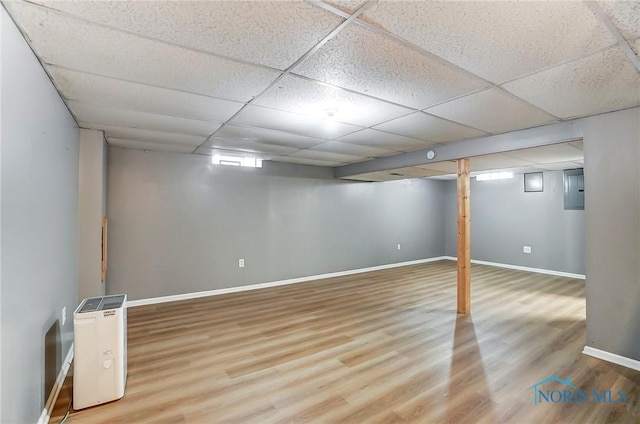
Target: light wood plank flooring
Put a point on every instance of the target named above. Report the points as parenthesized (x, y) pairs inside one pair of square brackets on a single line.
[(380, 347)]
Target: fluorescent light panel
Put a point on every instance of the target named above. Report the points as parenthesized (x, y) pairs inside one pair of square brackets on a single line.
[(494, 176), (230, 160)]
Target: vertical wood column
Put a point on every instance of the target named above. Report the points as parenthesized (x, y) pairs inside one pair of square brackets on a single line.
[(464, 238)]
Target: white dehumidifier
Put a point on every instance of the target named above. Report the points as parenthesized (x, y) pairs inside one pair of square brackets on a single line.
[(99, 350)]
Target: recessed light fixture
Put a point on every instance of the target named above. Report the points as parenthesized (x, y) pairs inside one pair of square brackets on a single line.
[(494, 176), (231, 160)]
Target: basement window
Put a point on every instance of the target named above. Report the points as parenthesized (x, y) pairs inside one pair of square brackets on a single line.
[(232, 160)]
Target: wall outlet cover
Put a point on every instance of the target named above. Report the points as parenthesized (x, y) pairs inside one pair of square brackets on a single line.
[(526, 249)]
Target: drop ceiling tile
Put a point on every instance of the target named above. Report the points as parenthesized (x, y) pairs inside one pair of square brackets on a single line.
[(327, 156), (261, 135), (496, 161), (140, 97), (258, 116), (98, 115), (493, 111), (603, 82), (560, 166), (635, 46), (498, 41), (248, 146), (430, 128), (305, 161), (562, 152), (307, 97), (384, 140), (145, 135), (625, 15), (271, 33), (149, 145), (352, 149), (363, 61), (348, 6), (61, 40), (447, 167)]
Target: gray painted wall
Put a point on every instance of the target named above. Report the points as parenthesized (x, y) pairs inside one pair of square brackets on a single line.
[(612, 202), (504, 219), (92, 207), (178, 224), (39, 229)]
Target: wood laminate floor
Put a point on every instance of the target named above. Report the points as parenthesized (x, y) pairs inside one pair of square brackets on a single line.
[(378, 347)]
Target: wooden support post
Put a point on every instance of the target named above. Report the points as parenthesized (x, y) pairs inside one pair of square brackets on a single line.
[(464, 238)]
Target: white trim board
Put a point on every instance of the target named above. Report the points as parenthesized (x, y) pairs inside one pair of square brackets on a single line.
[(523, 268), (612, 357), (55, 390), (216, 292)]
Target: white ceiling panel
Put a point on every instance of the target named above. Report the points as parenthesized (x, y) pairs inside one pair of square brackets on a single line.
[(560, 166), (98, 115), (562, 152), (352, 149), (261, 135), (493, 111), (79, 45), (625, 15), (384, 140), (363, 61), (327, 156), (146, 135), (300, 95), (248, 146), (148, 145), (139, 97), (348, 6), (271, 33), (496, 40), (496, 161), (305, 161), (600, 83), (258, 116), (430, 128)]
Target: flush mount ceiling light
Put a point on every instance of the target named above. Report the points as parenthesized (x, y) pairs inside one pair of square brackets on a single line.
[(232, 160), (431, 154), (494, 176), (331, 113)]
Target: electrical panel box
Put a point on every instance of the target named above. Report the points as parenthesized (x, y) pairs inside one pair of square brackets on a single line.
[(574, 189)]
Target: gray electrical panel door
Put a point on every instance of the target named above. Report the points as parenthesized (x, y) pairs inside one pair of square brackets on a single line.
[(573, 189)]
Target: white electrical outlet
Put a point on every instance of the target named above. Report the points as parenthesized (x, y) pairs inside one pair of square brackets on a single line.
[(398, 246), (526, 249), (241, 263), (64, 315)]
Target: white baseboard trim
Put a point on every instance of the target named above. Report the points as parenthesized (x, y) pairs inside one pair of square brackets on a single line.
[(55, 390), (524, 268), (612, 357), (185, 296)]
